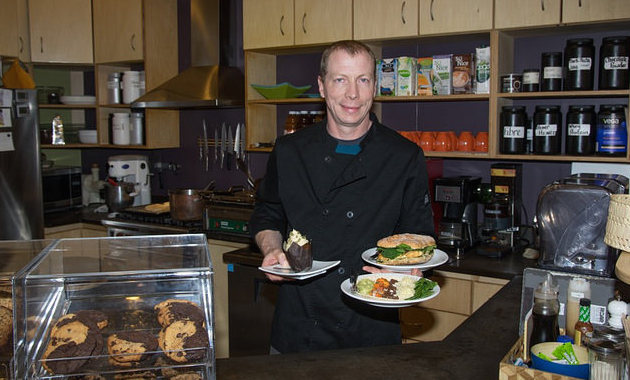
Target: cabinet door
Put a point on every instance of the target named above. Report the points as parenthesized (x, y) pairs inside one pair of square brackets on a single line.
[(117, 30), (267, 23), (61, 31), (520, 13), (375, 19), (323, 21), (8, 28), (453, 16), (594, 10), (427, 325)]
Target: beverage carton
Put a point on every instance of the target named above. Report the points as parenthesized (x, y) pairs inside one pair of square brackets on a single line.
[(387, 68), (406, 78), (482, 70), (441, 75), (463, 72), (424, 66)]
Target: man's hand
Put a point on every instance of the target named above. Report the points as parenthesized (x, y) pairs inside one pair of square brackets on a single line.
[(276, 257), (270, 244)]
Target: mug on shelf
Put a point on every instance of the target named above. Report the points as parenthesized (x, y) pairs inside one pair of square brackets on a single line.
[(481, 142), (426, 141), (466, 142)]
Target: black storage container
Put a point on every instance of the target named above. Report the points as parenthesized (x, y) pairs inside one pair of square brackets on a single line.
[(579, 63), (547, 130), (612, 132), (551, 69), (614, 62), (581, 130), (531, 80), (513, 130)]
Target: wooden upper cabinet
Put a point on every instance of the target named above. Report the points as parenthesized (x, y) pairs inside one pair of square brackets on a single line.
[(376, 19), (322, 21), (267, 23), (454, 16), (8, 28), (118, 32), (61, 31), (594, 10), (523, 13)]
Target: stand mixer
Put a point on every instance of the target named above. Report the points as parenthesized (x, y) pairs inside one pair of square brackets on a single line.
[(132, 169)]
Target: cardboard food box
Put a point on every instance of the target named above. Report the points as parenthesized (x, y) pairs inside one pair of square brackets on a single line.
[(441, 75), (406, 76), (387, 68), (463, 73), (424, 66)]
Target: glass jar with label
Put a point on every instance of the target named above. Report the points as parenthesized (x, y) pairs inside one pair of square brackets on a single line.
[(114, 88), (579, 57), (551, 68), (136, 128), (614, 55), (612, 133), (531, 80), (120, 128), (580, 131), (547, 130), (512, 124)]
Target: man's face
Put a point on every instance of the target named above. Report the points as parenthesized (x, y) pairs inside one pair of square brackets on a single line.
[(349, 88)]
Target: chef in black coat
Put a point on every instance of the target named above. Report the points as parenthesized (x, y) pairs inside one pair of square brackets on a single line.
[(344, 183)]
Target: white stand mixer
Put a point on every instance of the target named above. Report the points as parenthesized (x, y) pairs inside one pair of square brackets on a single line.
[(132, 169)]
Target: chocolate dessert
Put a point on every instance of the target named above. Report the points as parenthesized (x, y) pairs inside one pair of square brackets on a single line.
[(297, 249)]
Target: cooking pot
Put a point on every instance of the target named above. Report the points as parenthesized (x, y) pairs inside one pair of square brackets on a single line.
[(119, 196), (186, 204)]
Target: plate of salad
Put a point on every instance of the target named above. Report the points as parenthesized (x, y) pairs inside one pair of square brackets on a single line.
[(391, 289)]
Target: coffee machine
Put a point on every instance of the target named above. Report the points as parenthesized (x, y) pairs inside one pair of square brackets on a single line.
[(457, 196), (133, 169), (502, 211)]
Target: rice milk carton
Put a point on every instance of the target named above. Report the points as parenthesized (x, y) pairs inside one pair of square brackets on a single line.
[(482, 70), (387, 76), (424, 66), (441, 75), (406, 78), (463, 66)]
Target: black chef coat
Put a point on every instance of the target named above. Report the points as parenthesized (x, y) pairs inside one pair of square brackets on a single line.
[(343, 204)]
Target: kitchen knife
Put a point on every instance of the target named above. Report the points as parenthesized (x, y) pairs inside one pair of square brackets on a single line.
[(243, 142), (229, 149), (216, 145), (237, 142), (205, 144), (223, 137)]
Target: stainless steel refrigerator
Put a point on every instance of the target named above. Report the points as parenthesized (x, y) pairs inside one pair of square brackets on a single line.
[(21, 202)]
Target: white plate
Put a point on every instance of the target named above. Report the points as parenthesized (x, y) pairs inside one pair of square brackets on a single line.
[(78, 99), (318, 268), (383, 302), (439, 257)]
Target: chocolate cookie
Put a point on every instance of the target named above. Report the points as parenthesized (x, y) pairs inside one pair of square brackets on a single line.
[(175, 372), (184, 341), (97, 317), (136, 375), (129, 348), (135, 320), (72, 343), (173, 310)]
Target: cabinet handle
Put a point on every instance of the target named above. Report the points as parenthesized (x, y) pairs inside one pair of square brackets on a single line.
[(431, 11), (303, 18), (281, 21), (542, 5), (402, 12), (21, 44), (133, 42), (41, 44), (580, 3)]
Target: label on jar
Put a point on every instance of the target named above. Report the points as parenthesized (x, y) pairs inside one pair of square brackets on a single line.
[(615, 63), (531, 77), (552, 72), (113, 85), (579, 129), (513, 132), (546, 129), (579, 63)]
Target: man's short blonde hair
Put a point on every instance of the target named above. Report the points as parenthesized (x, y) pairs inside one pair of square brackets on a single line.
[(349, 46)]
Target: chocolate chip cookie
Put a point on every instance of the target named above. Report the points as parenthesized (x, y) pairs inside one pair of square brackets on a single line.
[(130, 348), (173, 310), (97, 317), (6, 328), (184, 341)]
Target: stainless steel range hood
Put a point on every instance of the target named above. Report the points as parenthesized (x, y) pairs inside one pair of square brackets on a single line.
[(207, 83)]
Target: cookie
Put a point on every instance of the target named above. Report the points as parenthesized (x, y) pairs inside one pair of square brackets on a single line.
[(187, 376), (173, 310), (136, 376), (135, 320), (184, 341), (72, 343), (173, 372), (97, 317), (6, 327), (129, 348)]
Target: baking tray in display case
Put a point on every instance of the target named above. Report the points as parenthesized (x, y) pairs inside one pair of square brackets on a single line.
[(14, 255), (116, 308)]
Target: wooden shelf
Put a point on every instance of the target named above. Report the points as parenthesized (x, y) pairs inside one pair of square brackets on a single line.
[(433, 98), (286, 101), (102, 146), (67, 106), (541, 157), (566, 94)]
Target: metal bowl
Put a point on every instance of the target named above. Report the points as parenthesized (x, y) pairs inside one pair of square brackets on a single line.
[(119, 196)]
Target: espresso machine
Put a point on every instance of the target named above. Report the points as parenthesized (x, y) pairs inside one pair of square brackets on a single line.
[(130, 168), (457, 197), (502, 211)]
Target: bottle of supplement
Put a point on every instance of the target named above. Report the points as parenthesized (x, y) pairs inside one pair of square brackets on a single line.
[(583, 329), (551, 68), (579, 59), (512, 124), (547, 130), (612, 135), (614, 55), (291, 123), (531, 80), (578, 288), (120, 129), (545, 312), (581, 126)]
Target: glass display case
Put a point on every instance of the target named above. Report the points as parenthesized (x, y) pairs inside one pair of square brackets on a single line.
[(112, 308)]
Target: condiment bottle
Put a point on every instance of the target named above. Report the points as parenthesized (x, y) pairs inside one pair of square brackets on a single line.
[(578, 288), (545, 312), (291, 123), (305, 120), (583, 327)]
